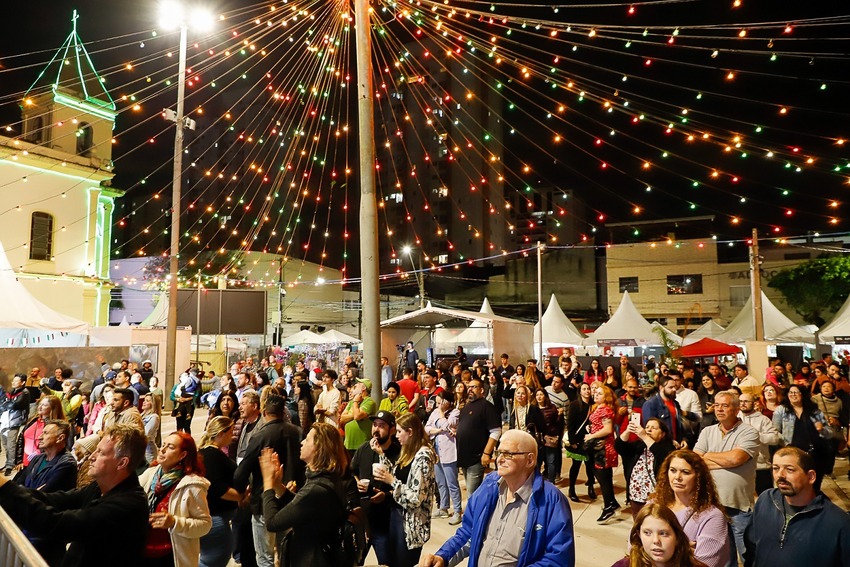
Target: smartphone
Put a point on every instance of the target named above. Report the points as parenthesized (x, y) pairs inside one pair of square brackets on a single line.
[(634, 418)]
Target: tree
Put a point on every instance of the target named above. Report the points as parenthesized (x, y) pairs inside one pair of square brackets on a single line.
[(816, 288)]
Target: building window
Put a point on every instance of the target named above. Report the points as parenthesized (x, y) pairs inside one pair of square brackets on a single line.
[(738, 295), (84, 139), (629, 284), (41, 236), (36, 130), (684, 284)]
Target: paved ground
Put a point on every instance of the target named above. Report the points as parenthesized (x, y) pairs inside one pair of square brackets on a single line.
[(596, 546)]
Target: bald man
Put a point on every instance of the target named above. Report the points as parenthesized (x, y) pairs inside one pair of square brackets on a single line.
[(516, 496)]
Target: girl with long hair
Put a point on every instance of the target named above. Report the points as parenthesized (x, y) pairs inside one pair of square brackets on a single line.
[(653, 445), (441, 427), (531, 379), (152, 420), (177, 500), (686, 487), (594, 373), (800, 422), (525, 416), (577, 422), (600, 441), (26, 446), (413, 483), (551, 434), (706, 392), (771, 398), (304, 400), (657, 540), (222, 497), (318, 508)]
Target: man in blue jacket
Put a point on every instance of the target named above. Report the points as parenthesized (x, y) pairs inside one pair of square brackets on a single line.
[(663, 406), (516, 496), (793, 524)]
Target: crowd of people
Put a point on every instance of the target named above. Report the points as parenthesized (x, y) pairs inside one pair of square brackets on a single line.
[(296, 462)]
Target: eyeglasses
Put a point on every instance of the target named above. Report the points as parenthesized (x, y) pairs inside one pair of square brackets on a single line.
[(509, 454)]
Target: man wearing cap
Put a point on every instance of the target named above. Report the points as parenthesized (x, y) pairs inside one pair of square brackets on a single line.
[(355, 418), (377, 497)]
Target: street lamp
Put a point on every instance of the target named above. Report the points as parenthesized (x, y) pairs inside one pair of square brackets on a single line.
[(173, 15), (420, 275)]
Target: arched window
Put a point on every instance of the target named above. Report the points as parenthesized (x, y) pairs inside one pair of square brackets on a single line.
[(84, 139), (41, 236)]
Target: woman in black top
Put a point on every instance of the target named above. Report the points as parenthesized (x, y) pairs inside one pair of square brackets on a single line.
[(706, 392), (317, 510), (222, 498), (551, 436), (577, 422)]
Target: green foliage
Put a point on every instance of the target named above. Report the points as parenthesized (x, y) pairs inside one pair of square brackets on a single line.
[(817, 288)]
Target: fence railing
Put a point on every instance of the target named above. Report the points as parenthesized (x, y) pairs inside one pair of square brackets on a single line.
[(15, 549)]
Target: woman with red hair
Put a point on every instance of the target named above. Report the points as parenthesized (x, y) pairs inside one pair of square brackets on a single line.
[(177, 500)]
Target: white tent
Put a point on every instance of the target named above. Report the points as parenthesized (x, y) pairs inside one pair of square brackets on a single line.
[(428, 326), (708, 330), (474, 338), (777, 327), (671, 336), (626, 327), (303, 338), (334, 336), (839, 326), (558, 330), (25, 320), (159, 316)]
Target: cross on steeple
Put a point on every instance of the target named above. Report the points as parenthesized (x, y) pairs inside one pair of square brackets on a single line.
[(74, 19)]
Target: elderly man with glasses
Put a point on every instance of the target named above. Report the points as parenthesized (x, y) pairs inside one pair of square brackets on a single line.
[(515, 517)]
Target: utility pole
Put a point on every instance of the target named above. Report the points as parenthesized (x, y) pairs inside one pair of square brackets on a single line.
[(755, 281), (370, 289)]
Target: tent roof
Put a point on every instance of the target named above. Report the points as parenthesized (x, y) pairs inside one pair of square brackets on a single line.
[(777, 327), (557, 327), (626, 323), (334, 336), (671, 336), (706, 347), (839, 326), (20, 310), (303, 338), (159, 316), (430, 316), (485, 307), (710, 329)]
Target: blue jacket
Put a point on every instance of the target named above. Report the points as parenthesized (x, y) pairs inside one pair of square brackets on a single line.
[(655, 407), (818, 535), (549, 530)]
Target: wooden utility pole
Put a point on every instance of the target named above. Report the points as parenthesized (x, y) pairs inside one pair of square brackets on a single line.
[(755, 281)]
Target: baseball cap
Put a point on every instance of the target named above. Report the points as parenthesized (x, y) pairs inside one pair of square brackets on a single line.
[(111, 375), (116, 366), (385, 416), (366, 382)]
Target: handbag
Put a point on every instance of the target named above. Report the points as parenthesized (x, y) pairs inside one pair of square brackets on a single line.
[(550, 441)]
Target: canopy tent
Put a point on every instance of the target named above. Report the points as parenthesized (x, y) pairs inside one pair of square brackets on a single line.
[(710, 329), (25, 320), (777, 327), (437, 327), (706, 347), (838, 327), (159, 316), (334, 336), (626, 327), (303, 338), (474, 338), (671, 336), (558, 330)]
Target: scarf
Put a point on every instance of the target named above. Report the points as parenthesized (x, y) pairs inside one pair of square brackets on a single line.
[(161, 485)]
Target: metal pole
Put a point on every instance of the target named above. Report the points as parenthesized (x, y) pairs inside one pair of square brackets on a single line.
[(171, 333), (198, 326), (755, 280), (369, 264), (540, 300), (420, 279)]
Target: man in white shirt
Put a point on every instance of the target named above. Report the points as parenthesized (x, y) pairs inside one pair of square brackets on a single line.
[(746, 383), (688, 401), (327, 406)]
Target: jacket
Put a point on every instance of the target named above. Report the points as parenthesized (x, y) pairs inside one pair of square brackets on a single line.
[(59, 474), (285, 439), (534, 423), (313, 514), (416, 496), (14, 407), (70, 403), (655, 407), (549, 538), (785, 421), (817, 535), (81, 516), (188, 505)]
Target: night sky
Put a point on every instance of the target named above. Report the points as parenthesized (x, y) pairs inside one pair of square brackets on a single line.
[(685, 83)]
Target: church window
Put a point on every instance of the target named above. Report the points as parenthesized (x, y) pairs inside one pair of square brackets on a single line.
[(84, 139), (41, 236)]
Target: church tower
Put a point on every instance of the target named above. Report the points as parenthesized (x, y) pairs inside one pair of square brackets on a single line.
[(68, 107)]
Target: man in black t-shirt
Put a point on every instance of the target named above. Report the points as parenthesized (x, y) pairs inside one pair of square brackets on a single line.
[(377, 497), (505, 370), (478, 429)]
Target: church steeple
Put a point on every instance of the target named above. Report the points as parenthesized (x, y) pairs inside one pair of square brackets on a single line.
[(68, 108)]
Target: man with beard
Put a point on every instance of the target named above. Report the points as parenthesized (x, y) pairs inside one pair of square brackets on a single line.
[(479, 427), (375, 496), (793, 524)]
